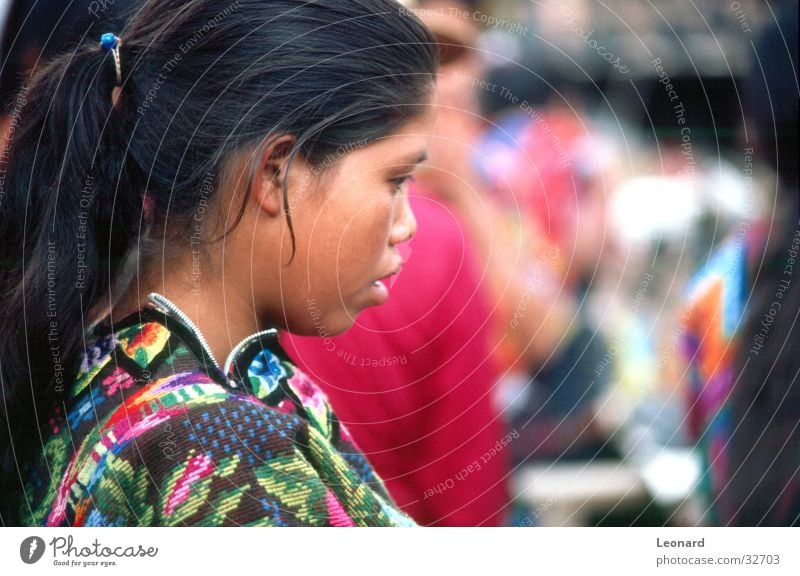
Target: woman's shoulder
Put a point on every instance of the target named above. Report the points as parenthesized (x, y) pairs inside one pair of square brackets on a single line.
[(139, 368), (150, 367), (127, 383)]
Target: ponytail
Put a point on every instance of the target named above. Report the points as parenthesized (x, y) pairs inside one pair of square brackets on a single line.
[(67, 178)]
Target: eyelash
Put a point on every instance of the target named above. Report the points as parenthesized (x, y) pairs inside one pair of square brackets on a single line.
[(399, 182)]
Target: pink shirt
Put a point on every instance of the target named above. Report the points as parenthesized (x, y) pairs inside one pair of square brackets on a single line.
[(413, 381)]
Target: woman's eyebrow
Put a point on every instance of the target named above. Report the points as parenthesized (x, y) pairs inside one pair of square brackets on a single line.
[(415, 158)]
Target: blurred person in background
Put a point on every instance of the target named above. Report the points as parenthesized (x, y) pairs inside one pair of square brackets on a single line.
[(415, 381), (743, 394), (530, 191), (555, 168)]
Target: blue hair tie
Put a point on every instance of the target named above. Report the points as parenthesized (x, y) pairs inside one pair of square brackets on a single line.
[(111, 42)]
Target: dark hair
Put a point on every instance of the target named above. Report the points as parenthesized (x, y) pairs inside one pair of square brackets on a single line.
[(36, 30), (202, 80)]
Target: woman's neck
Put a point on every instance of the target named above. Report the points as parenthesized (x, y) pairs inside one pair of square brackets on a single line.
[(221, 316)]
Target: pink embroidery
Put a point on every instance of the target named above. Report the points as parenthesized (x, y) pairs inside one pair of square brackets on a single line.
[(119, 378), (310, 395), (196, 469), (285, 407), (336, 513)]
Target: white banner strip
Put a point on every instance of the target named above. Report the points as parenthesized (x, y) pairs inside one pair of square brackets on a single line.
[(452, 551)]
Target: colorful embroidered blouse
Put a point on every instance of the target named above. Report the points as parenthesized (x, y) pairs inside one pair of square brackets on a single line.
[(720, 300), (154, 433), (716, 297)]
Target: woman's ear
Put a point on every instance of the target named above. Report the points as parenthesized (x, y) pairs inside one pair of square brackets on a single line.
[(268, 181)]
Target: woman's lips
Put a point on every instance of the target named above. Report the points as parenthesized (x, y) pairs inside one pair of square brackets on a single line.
[(380, 292), (379, 288)]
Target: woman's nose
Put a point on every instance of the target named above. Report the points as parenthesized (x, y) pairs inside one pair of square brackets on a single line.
[(405, 224)]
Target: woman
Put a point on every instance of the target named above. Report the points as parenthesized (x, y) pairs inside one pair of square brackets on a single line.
[(175, 197)]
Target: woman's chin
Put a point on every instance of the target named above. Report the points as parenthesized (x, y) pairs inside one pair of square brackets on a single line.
[(342, 322), (323, 326)]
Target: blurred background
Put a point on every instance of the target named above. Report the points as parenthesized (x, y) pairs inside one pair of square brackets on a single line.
[(612, 206)]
